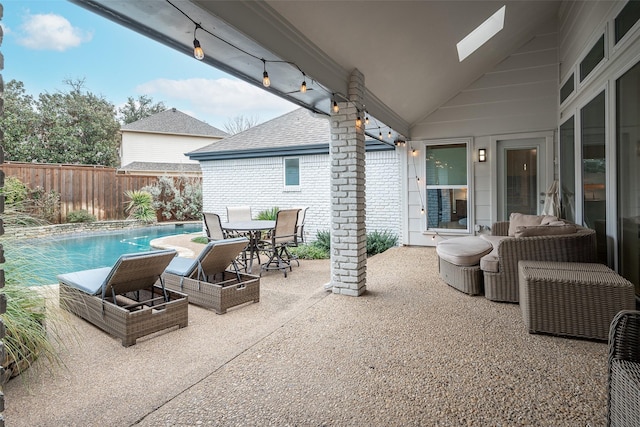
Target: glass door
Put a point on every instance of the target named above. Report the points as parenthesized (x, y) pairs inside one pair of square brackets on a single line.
[(628, 163), (520, 183), (594, 172)]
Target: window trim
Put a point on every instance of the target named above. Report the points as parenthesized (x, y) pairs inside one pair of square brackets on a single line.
[(468, 142), (284, 174)]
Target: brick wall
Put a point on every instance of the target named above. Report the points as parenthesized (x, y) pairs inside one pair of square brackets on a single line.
[(259, 183)]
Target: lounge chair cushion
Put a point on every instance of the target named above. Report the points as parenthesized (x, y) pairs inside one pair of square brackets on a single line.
[(518, 219), (89, 281), (489, 262), (463, 251), (182, 266), (207, 261)]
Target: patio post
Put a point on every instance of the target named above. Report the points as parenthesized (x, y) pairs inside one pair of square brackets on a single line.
[(348, 233)]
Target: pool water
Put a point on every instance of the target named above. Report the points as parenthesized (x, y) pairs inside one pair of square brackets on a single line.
[(36, 262)]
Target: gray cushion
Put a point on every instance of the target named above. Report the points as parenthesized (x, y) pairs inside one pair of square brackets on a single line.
[(464, 251), (89, 281)]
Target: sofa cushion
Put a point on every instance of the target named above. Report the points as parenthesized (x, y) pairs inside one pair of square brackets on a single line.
[(518, 219), (489, 262), (544, 230), (464, 251)]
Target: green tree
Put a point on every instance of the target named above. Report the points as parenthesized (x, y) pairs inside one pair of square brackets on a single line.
[(18, 122), (75, 127), (136, 109)]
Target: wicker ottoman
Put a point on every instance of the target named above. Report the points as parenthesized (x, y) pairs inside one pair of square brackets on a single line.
[(459, 262), (572, 299)]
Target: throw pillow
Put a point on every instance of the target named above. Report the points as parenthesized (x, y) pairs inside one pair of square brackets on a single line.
[(544, 230), (518, 219)]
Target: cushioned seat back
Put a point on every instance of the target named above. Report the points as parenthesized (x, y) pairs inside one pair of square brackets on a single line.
[(133, 272), (218, 255)]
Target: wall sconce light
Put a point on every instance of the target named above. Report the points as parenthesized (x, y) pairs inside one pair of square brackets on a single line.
[(482, 155)]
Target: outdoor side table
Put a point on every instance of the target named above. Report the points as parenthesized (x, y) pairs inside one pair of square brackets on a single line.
[(572, 299)]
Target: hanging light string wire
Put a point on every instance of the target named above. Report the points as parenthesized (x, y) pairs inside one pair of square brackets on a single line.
[(415, 173), (291, 63)]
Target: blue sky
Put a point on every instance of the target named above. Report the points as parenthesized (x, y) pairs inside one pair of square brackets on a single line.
[(49, 41)]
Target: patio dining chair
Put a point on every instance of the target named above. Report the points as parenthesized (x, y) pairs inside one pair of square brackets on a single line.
[(300, 224), (239, 213), (214, 230), (283, 236), (213, 226)]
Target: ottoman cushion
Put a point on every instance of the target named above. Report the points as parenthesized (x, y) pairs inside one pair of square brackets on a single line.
[(465, 251)]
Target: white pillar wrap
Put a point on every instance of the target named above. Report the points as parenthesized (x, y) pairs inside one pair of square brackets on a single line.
[(348, 231)]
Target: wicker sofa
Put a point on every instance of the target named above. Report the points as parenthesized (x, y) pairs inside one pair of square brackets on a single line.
[(500, 267)]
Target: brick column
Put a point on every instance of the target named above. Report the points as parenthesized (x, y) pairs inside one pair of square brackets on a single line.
[(348, 232)]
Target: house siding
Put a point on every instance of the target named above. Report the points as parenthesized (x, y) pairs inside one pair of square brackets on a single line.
[(259, 182), (518, 96), (159, 148)]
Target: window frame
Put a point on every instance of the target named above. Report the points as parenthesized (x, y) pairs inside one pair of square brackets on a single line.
[(290, 187), (469, 185)]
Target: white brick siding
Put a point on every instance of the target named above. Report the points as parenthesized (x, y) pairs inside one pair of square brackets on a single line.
[(259, 183)]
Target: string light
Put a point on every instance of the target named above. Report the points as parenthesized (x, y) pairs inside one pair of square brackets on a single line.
[(265, 76), (303, 86), (266, 81), (198, 53), (358, 120), (389, 134)]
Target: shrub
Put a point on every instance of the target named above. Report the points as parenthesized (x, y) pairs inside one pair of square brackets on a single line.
[(177, 198), (15, 191), (378, 242), (29, 208), (80, 216), (268, 214), (31, 324), (323, 241), (309, 252), (140, 205)]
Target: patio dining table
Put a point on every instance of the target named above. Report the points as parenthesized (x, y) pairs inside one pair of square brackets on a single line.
[(253, 230)]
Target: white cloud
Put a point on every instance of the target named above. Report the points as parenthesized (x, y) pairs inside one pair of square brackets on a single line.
[(51, 32), (221, 97)]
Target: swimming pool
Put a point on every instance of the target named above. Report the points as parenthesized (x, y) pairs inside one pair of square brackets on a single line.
[(36, 262)]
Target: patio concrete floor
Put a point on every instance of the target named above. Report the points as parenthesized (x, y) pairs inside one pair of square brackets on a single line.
[(411, 351)]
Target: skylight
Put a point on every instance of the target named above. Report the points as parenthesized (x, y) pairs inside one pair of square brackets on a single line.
[(481, 35)]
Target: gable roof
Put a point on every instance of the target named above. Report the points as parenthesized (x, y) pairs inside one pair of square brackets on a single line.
[(173, 121), (297, 132)]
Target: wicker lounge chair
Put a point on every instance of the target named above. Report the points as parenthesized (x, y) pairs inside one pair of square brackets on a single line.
[(623, 403), (501, 283), (128, 300), (207, 279)]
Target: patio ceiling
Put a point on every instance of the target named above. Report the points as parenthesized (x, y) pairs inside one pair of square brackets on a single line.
[(406, 49)]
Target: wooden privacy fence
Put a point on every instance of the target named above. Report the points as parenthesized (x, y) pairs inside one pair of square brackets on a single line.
[(97, 189)]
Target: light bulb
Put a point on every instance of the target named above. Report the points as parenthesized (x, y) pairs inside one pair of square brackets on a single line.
[(358, 122), (265, 79), (335, 107), (380, 135), (303, 87), (198, 53), (389, 135), (366, 120)]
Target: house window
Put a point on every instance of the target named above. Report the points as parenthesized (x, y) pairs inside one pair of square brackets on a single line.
[(446, 186), (626, 19), (592, 59), (292, 173), (566, 89)]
